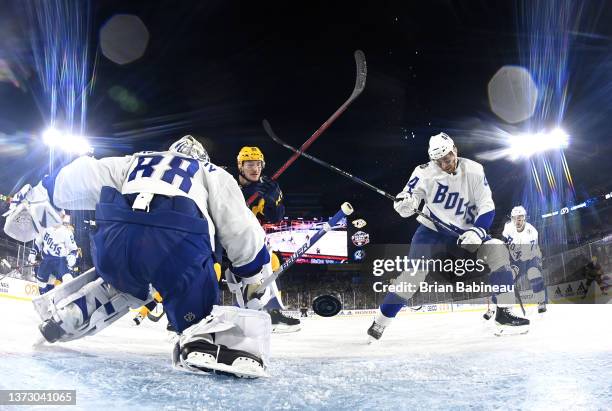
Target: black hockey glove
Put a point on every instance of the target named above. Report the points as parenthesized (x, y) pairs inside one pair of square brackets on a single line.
[(269, 190)]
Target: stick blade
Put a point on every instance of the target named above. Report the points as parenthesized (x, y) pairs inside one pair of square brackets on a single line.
[(362, 73)]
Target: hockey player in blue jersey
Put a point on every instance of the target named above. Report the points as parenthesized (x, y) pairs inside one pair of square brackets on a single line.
[(56, 247), (525, 254), (156, 216), (455, 191), (268, 207)]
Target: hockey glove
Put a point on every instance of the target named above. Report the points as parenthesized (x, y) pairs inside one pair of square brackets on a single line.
[(32, 257), (406, 204), (472, 239), (71, 260), (270, 191)]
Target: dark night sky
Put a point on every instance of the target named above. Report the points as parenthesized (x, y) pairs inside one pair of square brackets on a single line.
[(217, 68)]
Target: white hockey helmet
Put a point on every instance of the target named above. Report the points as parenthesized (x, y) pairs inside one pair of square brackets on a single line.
[(517, 211), (191, 147), (439, 146)]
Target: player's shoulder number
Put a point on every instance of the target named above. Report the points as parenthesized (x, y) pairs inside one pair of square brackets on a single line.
[(179, 172)]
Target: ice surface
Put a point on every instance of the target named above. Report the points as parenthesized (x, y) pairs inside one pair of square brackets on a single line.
[(424, 361)]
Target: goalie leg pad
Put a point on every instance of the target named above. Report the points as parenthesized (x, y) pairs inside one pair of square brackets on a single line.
[(81, 307)]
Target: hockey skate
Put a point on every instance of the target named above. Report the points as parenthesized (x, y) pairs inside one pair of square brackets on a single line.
[(508, 323), (378, 326), (489, 314), (282, 324), (203, 356), (542, 308), (375, 332)]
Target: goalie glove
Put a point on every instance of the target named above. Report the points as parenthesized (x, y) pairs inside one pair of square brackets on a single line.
[(471, 239), (406, 204), (30, 211), (18, 198)]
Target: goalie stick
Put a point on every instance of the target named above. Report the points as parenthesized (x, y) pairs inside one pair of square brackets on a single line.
[(360, 82), (268, 128)]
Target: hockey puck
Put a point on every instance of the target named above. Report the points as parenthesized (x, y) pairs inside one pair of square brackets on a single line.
[(326, 305)]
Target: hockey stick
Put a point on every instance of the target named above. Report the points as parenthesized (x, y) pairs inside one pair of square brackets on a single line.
[(5, 265), (360, 82), (357, 180), (6, 268), (345, 210)]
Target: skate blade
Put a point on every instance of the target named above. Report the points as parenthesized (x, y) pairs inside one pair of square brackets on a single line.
[(512, 330), (372, 341), (241, 367), (285, 329)]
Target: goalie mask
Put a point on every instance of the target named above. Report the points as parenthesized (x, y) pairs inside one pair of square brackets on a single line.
[(190, 147)]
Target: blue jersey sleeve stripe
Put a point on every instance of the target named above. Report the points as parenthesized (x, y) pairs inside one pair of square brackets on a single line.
[(454, 227), (254, 267), (484, 221)]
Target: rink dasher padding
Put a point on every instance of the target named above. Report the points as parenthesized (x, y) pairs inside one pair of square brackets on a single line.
[(18, 289)]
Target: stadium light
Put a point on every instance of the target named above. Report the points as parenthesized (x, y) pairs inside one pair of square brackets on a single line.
[(526, 145), (69, 143)]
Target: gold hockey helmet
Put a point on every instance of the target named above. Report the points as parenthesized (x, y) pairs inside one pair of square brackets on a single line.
[(250, 154)]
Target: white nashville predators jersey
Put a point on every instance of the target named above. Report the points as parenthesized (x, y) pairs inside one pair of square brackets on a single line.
[(57, 241), (456, 199), (523, 245), (215, 191)]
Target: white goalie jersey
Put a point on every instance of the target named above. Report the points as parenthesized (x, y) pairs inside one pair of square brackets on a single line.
[(216, 193), (456, 199), (523, 246)]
